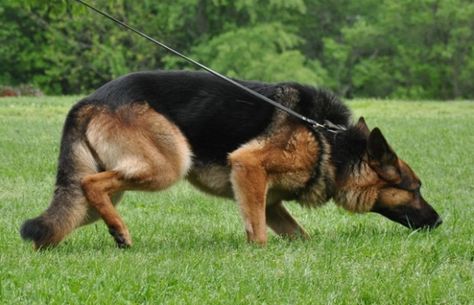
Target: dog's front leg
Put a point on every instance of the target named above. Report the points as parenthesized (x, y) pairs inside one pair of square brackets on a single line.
[(249, 181)]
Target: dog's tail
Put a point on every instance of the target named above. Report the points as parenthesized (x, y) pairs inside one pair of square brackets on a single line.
[(68, 208)]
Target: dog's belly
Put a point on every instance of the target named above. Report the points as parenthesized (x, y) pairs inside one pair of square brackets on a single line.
[(215, 179), (212, 179)]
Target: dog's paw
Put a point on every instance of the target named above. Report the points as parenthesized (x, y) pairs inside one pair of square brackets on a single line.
[(122, 239)]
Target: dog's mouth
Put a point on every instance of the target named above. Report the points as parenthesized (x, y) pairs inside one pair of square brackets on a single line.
[(413, 218)]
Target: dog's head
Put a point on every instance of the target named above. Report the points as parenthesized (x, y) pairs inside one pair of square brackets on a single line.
[(385, 184)]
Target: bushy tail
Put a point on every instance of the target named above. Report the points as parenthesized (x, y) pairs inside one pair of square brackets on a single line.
[(37, 230), (68, 208), (67, 211)]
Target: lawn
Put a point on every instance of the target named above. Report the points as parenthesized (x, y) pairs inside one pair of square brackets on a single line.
[(190, 248)]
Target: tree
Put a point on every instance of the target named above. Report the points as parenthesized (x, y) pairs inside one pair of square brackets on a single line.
[(368, 48)]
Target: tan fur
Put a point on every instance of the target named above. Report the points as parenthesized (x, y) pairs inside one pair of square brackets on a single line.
[(281, 161), (317, 194), (139, 150), (393, 196), (359, 191), (98, 188), (364, 185), (85, 162), (135, 139)]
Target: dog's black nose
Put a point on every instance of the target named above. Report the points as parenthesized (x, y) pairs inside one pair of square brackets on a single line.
[(438, 222)]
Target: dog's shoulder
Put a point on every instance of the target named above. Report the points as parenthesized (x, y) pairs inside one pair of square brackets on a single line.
[(320, 104)]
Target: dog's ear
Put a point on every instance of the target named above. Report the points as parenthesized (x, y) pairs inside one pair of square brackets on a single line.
[(381, 156), (362, 126)]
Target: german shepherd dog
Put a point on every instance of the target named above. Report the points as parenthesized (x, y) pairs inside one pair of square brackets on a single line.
[(147, 130)]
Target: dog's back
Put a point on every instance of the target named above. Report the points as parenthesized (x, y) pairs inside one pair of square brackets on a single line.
[(215, 116)]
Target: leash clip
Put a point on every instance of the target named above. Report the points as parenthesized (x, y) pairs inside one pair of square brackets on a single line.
[(328, 126)]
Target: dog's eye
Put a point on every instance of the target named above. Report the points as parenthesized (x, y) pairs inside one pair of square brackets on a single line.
[(417, 193), (415, 188)]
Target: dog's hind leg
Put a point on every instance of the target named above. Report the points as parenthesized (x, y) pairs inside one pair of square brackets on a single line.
[(140, 150), (99, 188), (281, 222), (93, 215)]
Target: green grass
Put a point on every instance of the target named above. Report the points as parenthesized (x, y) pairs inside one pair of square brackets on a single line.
[(189, 248)]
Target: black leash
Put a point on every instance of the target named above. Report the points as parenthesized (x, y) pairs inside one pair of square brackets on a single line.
[(327, 125)]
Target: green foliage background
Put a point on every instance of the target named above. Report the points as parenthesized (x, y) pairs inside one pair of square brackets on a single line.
[(420, 49)]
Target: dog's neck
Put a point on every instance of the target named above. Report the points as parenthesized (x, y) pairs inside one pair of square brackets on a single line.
[(340, 172), (348, 150), (320, 187), (353, 175)]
